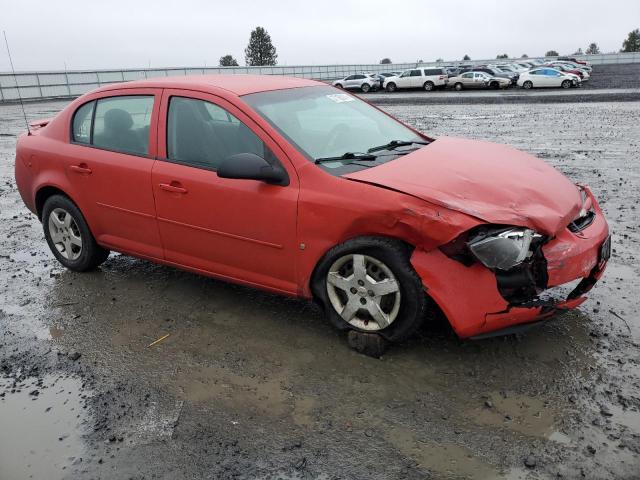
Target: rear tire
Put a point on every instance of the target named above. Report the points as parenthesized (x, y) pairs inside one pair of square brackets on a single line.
[(528, 85), (69, 237), (428, 86), (384, 266), (391, 87), (458, 87), (365, 87), (566, 84)]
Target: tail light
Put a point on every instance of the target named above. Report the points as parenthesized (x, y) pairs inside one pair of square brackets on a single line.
[(441, 77)]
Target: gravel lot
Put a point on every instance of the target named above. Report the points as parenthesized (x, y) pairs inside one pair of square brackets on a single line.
[(250, 385)]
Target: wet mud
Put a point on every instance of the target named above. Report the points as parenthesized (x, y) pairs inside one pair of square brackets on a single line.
[(252, 385)]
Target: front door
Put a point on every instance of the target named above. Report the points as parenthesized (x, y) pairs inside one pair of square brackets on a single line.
[(242, 230), (416, 78)]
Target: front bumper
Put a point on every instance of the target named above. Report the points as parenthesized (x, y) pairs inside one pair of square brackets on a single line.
[(470, 295)]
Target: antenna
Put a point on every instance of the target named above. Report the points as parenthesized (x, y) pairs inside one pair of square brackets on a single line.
[(15, 79)]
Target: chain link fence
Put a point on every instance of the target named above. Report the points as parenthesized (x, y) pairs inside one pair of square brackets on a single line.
[(68, 84)]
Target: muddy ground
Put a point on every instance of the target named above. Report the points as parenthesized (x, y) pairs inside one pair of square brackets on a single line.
[(251, 385)]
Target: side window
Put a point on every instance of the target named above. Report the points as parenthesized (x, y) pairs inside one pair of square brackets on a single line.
[(467, 75), (202, 134), (416, 73), (122, 123), (405, 74), (81, 130), (358, 77)]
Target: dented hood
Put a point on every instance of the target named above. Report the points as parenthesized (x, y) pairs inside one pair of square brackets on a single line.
[(495, 183)]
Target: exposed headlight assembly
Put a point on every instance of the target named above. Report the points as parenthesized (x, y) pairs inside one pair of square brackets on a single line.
[(502, 249)]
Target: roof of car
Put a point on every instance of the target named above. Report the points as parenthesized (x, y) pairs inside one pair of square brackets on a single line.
[(238, 84)]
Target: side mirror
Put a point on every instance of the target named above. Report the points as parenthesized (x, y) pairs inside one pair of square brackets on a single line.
[(249, 166)]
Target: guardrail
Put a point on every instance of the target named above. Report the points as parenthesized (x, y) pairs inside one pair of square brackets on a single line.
[(67, 84)]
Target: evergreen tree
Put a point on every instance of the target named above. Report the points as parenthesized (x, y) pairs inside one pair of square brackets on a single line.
[(632, 43), (260, 50), (385, 61), (228, 61), (593, 49), (466, 57), (552, 53)]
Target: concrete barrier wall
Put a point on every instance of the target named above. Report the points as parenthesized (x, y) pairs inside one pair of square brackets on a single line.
[(66, 84)]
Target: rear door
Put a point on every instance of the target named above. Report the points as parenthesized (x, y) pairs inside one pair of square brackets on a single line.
[(113, 140), (467, 79), (243, 230)]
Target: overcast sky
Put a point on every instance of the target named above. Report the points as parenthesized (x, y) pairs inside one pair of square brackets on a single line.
[(85, 34)]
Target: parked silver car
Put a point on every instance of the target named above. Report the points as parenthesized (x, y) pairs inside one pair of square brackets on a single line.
[(360, 81), (475, 79)]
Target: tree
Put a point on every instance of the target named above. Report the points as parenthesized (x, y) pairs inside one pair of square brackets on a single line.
[(504, 55), (592, 49), (260, 50), (578, 52), (385, 61), (552, 53), (228, 61), (439, 60), (524, 55), (466, 57), (632, 43)]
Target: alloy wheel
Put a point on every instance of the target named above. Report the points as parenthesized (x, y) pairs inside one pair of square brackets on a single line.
[(363, 291), (65, 234)]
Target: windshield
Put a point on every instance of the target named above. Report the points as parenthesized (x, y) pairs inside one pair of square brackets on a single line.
[(323, 122)]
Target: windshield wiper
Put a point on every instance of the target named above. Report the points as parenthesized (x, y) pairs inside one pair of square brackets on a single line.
[(396, 143), (347, 156)]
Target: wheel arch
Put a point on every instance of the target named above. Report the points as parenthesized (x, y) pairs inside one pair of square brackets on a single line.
[(47, 191), (364, 237)]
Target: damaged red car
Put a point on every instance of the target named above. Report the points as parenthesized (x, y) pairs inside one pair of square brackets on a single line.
[(298, 188)]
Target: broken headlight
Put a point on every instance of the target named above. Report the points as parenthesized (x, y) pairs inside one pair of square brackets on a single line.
[(502, 249)]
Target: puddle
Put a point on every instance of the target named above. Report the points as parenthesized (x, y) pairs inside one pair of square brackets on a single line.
[(527, 415), (40, 435), (447, 459)]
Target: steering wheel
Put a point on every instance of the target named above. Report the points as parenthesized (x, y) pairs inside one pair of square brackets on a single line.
[(334, 138)]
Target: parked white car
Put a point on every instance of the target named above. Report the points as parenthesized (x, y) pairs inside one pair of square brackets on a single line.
[(425, 78), (359, 81), (547, 77)]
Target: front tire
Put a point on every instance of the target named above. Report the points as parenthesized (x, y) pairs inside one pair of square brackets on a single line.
[(458, 87), (365, 87), (566, 84), (528, 85), (368, 284), (391, 87), (69, 237), (338, 85)]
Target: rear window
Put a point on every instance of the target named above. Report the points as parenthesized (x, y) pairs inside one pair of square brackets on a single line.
[(82, 123), (122, 124)]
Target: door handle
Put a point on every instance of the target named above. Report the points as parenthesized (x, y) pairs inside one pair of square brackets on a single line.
[(173, 187), (82, 168)]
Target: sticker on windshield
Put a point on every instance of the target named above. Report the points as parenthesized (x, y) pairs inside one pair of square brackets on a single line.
[(340, 97)]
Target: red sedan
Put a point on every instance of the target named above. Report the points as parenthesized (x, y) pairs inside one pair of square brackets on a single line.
[(298, 188)]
